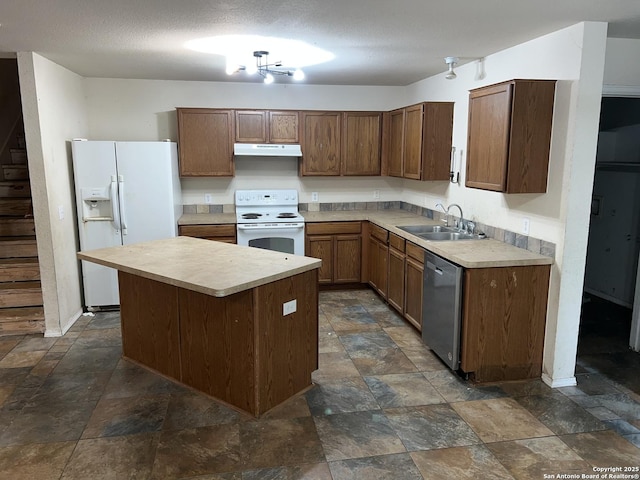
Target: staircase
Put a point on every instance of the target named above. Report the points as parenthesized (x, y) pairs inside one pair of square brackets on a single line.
[(21, 308)]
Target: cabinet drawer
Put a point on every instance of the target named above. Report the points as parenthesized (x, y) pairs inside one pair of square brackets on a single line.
[(330, 228), (209, 231), (415, 252), (396, 242), (378, 232)]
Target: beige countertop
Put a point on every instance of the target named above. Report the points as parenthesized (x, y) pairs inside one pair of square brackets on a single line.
[(206, 218), (484, 253), (213, 268)]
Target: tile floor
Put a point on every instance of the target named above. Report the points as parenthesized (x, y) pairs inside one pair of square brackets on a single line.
[(383, 407)]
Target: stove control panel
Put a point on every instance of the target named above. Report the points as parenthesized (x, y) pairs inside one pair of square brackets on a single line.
[(249, 198)]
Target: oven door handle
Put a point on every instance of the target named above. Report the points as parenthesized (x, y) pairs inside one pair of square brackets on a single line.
[(274, 229)]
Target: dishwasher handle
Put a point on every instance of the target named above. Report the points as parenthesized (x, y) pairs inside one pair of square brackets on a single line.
[(432, 266)]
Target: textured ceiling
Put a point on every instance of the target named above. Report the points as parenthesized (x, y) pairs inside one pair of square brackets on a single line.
[(375, 42)]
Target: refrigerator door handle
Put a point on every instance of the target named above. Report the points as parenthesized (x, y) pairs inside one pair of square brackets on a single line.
[(115, 214), (123, 216)]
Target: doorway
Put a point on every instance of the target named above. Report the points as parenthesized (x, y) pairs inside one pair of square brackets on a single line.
[(608, 322)]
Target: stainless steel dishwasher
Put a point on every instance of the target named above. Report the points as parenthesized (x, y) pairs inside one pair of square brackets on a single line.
[(442, 308)]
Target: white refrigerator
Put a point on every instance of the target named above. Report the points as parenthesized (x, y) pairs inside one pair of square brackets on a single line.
[(126, 192)]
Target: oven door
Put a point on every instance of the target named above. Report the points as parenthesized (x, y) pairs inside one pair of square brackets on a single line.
[(285, 238)]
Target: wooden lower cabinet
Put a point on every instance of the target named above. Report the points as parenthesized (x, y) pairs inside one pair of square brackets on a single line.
[(414, 271), (240, 349), (339, 246), (503, 324), (149, 313), (396, 276), (221, 233), (378, 260)]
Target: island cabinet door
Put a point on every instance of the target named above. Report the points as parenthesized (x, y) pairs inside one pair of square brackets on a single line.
[(287, 341), (150, 329), (217, 343)]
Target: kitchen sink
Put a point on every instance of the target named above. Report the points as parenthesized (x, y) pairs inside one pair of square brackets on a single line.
[(440, 236), (439, 233), (422, 229)]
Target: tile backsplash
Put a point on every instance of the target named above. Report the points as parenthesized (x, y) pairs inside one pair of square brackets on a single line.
[(531, 244)]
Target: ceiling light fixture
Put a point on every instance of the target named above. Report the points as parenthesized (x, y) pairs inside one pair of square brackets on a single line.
[(266, 70), (451, 61)]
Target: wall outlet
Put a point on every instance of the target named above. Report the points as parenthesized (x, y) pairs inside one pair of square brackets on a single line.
[(60, 212), (525, 226), (289, 307), (208, 198), (314, 196), (376, 194)]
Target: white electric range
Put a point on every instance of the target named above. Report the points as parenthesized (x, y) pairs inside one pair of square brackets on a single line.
[(270, 219)]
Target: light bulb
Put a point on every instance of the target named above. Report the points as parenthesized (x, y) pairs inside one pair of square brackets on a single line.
[(268, 79), (451, 75), (231, 69), (251, 69), (298, 75)]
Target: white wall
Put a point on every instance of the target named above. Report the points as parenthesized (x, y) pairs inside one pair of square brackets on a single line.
[(622, 64), (54, 112), (145, 110)]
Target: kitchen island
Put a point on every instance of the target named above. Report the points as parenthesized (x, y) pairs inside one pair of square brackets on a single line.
[(237, 323)]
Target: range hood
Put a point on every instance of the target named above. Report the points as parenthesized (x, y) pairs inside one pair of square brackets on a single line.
[(266, 150)]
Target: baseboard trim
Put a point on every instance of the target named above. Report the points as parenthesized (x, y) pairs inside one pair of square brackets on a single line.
[(560, 382)]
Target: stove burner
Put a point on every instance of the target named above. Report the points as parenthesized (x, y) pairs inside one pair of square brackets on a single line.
[(287, 215), (251, 216)]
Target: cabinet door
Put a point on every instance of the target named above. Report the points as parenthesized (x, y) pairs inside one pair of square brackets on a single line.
[(396, 285), (320, 143), (530, 136), (362, 135), (321, 246), (347, 264), (378, 266), (251, 126), (414, 272), (205, 139), (437, 132), (396, 143), (503, 322), (489, 120), (413, 142), (222, 233), (283, 127)]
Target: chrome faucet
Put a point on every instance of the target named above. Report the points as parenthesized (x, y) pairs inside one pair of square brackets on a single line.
[(461, 221), (446, 211)]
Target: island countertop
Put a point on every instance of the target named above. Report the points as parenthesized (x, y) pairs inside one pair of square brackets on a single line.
[(213, 268)]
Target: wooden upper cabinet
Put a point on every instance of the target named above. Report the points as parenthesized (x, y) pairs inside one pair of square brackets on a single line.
[(419, 141), (266, 126), (437, 134), (283, 127), (320, 144), (510, 136), (251, 126), (412, 148), (205, 142), (361, 151), (395, 146)]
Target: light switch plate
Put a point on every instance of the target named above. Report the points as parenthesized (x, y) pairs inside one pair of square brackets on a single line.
[(525, 226), (208, 198), (289, 307)]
